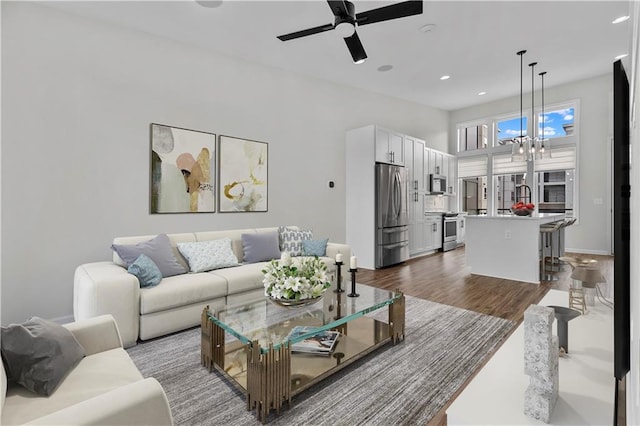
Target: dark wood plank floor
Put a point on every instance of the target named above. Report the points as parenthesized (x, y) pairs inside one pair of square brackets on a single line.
[(445, 278)]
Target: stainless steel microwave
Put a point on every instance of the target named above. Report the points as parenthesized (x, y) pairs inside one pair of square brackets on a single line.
[(438, 184)]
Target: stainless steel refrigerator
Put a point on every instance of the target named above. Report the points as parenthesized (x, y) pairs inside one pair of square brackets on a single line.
[(392, 229)]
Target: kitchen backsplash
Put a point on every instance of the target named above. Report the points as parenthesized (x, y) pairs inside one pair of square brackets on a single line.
[(436, 203)]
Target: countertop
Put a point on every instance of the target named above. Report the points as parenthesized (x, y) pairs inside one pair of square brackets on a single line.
[(534, 216)]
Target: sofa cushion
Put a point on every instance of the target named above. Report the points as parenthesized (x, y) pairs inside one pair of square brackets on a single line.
[(158, 249), (261, 246), (181, 290), (291, 239), (315, 247), (234, 235), (208, 255), (242, 278), (146, 271), (94, 375), (39, 353)]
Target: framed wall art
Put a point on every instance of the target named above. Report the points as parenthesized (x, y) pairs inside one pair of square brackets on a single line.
[(182, 170), (243, 180)]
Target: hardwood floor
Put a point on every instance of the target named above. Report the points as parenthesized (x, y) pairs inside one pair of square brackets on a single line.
[(444, 278)]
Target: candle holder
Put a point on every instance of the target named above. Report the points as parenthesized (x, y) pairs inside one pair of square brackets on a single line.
[(353, 283), (339, 278)]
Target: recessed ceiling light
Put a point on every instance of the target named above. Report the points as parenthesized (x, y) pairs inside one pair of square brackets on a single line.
[(383, 68), (445, 77), (624, 55), (620, 19), (482, 93), (427, 28)]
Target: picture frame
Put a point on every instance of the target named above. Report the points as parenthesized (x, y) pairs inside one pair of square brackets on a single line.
[(243, 175), (183, 170)]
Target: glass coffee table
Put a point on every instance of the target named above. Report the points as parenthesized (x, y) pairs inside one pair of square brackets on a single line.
[(250, 343)]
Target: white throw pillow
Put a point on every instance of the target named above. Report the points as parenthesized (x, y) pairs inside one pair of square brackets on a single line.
[(208, 255)]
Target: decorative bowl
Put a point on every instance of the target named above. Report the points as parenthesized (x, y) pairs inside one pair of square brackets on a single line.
[(522, 212), (293, 303)]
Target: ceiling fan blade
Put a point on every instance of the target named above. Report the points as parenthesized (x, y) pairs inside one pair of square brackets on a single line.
[(307, 32), (355, 48), (338, 7), (393, 11)]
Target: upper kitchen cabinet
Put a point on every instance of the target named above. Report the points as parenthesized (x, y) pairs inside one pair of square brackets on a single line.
[(435, 162), (415, 164), (450, 166), (389, 147)]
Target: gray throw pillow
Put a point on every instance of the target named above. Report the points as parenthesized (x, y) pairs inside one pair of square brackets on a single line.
[(38, 354), (260, 246), (157, 249)]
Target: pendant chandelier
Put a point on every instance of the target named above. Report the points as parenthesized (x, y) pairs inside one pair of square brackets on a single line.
[(525, 147)]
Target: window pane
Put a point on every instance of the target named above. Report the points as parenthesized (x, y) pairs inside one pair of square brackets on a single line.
[(555, 192), (509, 190), (556, 123), (509, 129), (474, 195)]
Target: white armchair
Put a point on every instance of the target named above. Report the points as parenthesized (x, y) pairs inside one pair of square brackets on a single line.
[(104, 388)]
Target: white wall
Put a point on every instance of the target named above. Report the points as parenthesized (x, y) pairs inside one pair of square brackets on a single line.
[(592, 234), (78, 98)]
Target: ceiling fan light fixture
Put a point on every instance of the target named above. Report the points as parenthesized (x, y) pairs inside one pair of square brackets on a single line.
[(345, 29), (360, 61)]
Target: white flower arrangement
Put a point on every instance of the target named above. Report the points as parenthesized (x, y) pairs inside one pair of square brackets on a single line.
[(298, 278)]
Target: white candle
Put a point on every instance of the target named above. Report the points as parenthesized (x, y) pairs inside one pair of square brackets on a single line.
[(338, 257), (353, 262), (285, 259)]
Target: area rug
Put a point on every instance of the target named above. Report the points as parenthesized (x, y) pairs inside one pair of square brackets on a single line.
[(406, 384)]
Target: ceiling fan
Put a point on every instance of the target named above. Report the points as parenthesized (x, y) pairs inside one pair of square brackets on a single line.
[(346, 20)]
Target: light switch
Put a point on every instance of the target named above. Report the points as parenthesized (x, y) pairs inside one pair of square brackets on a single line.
[(597, 201)]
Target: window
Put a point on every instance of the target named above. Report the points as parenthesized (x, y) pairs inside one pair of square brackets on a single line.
[(474, 195), (557, 123), (490, 181), (473, 137), (509, 190), (509, 129)]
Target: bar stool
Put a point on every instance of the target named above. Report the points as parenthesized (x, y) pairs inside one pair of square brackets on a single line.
[(547, 231), (567, 223), (576, 299)]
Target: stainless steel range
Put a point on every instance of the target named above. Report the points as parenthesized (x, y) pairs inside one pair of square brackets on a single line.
[(449, 231)]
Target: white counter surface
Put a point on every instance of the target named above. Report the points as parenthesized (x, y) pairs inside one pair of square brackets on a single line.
[(496, 395), (544, 217)]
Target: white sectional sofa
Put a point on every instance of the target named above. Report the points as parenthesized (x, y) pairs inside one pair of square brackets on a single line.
[(177, 302), (104, 388)]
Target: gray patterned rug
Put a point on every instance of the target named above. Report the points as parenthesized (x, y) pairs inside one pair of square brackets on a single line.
[(403, 384)]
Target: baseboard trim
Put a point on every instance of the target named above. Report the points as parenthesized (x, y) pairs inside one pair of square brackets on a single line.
[(587, 251)]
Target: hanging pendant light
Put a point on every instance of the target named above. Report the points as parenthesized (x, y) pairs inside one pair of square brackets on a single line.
[(519, 151), (532, 139), (543, 151)]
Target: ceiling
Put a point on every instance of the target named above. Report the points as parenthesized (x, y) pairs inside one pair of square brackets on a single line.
[(475, 42)]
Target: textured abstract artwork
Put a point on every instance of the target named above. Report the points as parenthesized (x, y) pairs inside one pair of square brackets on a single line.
[(243, 175), (182, 170)]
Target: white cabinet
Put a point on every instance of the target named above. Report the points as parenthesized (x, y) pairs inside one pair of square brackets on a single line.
[(389, 147), (435, 162), (433, 232), (460, 231), (417, 224), (414, 163), (450, 168)]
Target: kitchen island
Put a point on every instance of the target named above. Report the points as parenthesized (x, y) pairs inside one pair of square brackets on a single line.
[(506, 246)]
